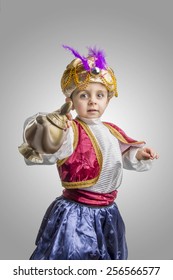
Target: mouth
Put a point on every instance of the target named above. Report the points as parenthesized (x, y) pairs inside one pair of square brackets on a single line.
[(92, 110)]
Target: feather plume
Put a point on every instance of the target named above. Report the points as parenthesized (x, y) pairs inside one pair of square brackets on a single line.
[(99, 56), (76, 54)]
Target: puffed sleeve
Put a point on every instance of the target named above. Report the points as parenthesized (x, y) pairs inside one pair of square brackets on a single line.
[(130, 161), (64, 151)]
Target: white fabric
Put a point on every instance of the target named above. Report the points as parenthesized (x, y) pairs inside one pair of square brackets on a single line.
[(113, 161), (112, 171)]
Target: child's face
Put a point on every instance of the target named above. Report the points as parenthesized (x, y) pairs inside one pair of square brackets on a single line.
[(91, 102)]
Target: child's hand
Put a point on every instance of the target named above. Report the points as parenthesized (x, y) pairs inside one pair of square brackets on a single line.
[(65, 111), (146, 153), (69, 121), (69, 115)]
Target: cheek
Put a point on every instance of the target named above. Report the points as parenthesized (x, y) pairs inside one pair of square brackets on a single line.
[(103, 104), (79, 107)]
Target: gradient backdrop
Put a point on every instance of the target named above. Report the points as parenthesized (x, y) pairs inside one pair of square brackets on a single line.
[(138, 39)]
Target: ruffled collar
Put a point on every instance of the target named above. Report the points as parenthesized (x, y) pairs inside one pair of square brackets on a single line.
[(90, 121)]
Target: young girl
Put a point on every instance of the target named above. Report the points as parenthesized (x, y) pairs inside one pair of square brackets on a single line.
[(84, 223)]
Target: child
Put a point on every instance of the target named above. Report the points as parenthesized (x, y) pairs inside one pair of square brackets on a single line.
[(84, 223)]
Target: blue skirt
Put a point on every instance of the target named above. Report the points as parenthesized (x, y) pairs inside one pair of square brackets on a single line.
[(74, 231)]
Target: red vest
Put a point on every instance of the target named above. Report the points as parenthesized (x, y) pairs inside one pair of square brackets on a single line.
[(82, 169)]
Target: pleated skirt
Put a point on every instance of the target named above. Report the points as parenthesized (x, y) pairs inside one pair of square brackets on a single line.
[(74, 231)]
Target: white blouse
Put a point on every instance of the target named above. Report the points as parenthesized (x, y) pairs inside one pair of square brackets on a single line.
[(113, 161)]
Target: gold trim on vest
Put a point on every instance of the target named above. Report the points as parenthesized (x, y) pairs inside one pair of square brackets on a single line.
[(119, 136), (87, 183)]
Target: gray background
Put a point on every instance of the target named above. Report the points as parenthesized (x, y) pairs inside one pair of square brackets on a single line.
[(137, 38)]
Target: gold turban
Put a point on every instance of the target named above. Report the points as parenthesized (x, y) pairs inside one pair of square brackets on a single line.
[(84, 70)]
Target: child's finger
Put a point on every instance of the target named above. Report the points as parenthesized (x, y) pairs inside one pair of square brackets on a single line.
[(69, 116), (69, 123), (146, 155)]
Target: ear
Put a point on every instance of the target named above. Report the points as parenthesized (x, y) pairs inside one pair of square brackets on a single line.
[(69, 99)]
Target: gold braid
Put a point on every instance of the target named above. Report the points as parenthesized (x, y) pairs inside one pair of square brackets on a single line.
[(83, 84)]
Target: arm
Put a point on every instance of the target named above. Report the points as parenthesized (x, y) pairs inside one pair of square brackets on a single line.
[(139, 159)]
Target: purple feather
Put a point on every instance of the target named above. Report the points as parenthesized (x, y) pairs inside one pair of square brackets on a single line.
[(76, 54), (99, 56)]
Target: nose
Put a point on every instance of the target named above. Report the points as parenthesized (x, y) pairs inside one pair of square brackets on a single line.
[(92, 100)]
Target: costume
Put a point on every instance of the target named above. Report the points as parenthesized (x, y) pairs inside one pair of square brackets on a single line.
[(85, 223)]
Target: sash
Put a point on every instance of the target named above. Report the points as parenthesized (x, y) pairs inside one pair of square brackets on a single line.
[(90, 198)]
